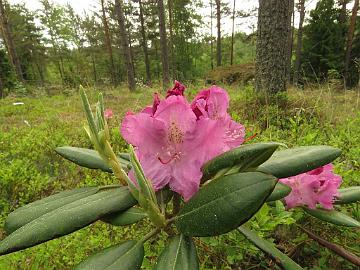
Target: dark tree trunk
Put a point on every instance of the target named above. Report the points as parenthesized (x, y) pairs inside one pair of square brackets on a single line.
[(350, 37), (125, 44), (9, 42), (218, 41), (108, 45), (290, 39), (211, 36), (271, 47), (163, 45), (171, 40), (232, 36), (297, 66), (94, 68), (342, 18), (1, 87), (144, 44)]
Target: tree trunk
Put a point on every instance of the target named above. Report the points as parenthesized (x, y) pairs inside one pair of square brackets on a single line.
[(163, 45), (350, 37), (290, 39), (271, 49), (9, 42), (1, 87), (232, 36), (218, 41), (171, 40), (342, 18), (211, 36), (125, 44), (108, 46), (144, 44), (297, 66)]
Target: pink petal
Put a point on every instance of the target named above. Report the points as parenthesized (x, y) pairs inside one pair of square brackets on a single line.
[(144, 132), (177, 90), (108, 113)]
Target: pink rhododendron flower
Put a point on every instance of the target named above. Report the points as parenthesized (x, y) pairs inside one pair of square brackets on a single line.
[(172, 142), (108, 113), (319, 186)]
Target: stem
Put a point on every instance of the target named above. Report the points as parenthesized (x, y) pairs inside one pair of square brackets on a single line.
[(150, 234)]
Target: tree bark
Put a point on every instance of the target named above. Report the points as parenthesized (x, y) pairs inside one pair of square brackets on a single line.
[(108, 46), (342, 18), (290, 39), (171, 40), (9, 42), (163, 45), (271, 47), (144, 44), (350, 37), (297, 65), (218, 41), (211, 36), (232, 36), (125, 44)]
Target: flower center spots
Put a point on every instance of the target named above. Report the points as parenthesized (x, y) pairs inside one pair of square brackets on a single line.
[(175, 135)]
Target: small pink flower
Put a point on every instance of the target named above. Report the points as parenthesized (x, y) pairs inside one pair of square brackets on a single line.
[(319, 186), (177, 90), (108, 114)]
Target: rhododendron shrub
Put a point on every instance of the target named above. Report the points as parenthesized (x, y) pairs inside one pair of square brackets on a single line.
[(189, 173)]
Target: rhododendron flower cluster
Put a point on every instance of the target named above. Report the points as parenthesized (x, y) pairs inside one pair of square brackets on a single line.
[(174, 138), (313, 187)]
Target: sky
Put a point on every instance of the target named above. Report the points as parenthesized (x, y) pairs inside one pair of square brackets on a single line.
[(246, 25)]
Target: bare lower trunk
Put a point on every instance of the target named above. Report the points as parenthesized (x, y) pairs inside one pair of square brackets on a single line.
[(350, 37), (232, 36), (218, 41), (271, 49), (171, 40), (211, 36), (163, 45), (144, 44), (9, 42), (297, 66), (290, 39), (125, 44), (108, 46)]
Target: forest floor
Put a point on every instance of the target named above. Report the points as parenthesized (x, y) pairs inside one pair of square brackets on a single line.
[(30, 169)]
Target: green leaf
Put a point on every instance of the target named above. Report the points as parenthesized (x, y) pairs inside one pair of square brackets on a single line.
[(128, 255), (179, 254), (269, 248), (124, 218), (294, 161), (225, 203), (243, 157), (31, 211), (281, 190), (88, 158), (68, 218), (348, 195), (333, 216)]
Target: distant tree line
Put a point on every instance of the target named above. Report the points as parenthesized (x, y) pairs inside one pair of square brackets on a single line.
[(142, 41)]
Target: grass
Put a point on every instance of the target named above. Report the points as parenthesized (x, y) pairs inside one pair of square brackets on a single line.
[(29, 170)]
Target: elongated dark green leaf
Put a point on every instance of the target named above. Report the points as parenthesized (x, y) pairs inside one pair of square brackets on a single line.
[(280, 191), (179, 254), (127, 217), (294, 161), (31, 211), (225, 203), (243, 157), (270, 249), (68, 218), (348, 195), (88, 158), (333, 216), (128, 256)]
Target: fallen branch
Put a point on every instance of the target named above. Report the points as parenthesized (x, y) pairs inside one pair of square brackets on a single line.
[(339, 250)]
